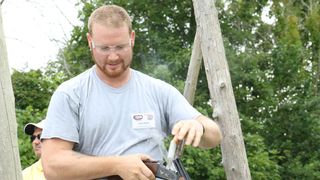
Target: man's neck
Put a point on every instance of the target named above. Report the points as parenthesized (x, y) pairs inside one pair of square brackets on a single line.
[(115, 82)]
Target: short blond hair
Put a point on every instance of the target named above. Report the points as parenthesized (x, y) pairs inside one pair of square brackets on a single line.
[(110, 15)]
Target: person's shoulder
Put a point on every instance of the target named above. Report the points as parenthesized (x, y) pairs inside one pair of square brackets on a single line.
[(34, 171), (76, 82), (149, 79), (35, 164), (28, 170), (152, 85)]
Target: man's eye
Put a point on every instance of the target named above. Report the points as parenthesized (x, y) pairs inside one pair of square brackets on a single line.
[(105, 48), (119, 47)]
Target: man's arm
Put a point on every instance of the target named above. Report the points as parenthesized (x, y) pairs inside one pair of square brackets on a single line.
[(202, 132), (212, 133), (61, 162)]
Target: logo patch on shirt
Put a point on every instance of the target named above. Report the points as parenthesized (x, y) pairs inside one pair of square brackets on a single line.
[(143, 120), (137, 117)]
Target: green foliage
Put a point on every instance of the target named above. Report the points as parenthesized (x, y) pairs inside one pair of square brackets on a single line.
[(261, 164), (31, 89), (203, 164), (300, 170)]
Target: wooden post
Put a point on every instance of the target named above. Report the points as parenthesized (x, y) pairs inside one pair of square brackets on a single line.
[(10, 167), (193, 71), (234, 156)]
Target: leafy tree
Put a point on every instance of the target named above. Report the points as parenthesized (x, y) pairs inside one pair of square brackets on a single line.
[(31, 89)]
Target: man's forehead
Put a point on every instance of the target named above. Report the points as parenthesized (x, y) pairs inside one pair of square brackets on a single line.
[(101, 33), (98, 26)]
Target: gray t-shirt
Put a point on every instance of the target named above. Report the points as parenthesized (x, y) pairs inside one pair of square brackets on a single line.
[(103, 120)]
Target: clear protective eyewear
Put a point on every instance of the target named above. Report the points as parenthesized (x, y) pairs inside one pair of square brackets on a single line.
[(106, 50)]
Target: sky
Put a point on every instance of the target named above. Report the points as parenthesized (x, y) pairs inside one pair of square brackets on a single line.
[(35, 30)]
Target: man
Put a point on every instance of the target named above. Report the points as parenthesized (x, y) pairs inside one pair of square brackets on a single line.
[(108, 119), (34, 171)]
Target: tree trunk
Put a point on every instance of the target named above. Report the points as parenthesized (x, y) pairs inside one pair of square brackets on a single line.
[(193, 71), (10, 167), (234, 156)]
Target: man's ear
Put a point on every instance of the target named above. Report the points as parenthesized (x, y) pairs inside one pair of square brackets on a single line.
[(89, 39), (132, 38)]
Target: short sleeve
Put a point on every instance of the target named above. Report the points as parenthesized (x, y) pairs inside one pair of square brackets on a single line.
[(62, 118), (177, 107)]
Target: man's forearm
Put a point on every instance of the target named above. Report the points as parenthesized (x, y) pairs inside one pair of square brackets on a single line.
[(212, 134), (61, 162), (68, 164)]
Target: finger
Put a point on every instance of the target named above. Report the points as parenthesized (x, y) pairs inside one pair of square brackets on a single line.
[(147, 173), (197, 138), (199, 133), (144, 157), (176, 128), (142, 177), (183, 131), (191, 135)]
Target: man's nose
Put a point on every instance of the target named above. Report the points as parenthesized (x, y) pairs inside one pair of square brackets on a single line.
[(37, 141), (113, 55)]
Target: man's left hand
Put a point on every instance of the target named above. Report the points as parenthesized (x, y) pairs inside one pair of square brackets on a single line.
[(191, 130)]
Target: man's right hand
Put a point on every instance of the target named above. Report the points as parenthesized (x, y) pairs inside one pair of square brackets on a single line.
[(132, 167)]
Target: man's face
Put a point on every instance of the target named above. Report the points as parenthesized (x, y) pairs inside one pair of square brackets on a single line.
[(111, 49), (36, 143)]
